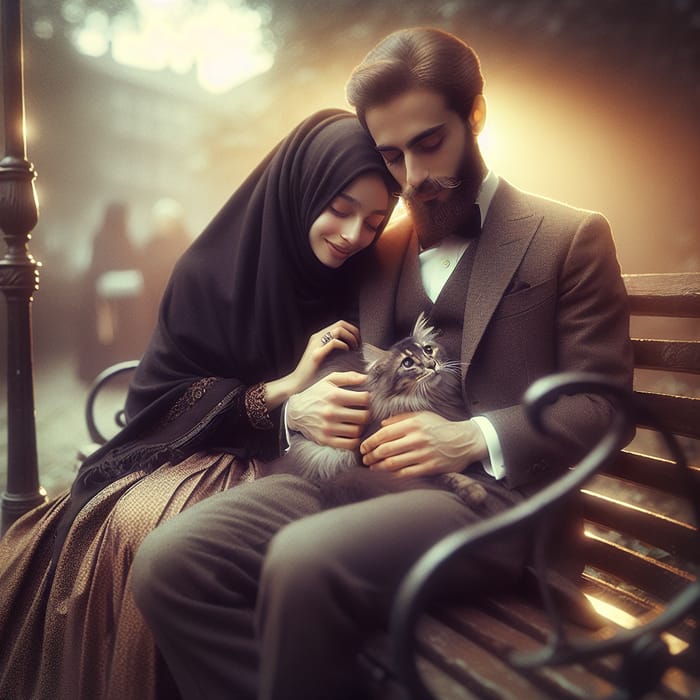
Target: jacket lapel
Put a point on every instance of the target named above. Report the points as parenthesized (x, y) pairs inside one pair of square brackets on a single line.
[(508, 229)]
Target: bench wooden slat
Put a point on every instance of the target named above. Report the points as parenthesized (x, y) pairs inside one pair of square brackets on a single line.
[(522, 615), (442, 685), (654, 472), (531, 618), (500, 640), (485, 673), (635, 570), (669, 355), (664, 294), (376, 662), (658, 530), (678, 414)]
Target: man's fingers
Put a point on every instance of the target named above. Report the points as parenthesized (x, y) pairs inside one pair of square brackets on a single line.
[(382, 438), (349, 378), (394, 454)]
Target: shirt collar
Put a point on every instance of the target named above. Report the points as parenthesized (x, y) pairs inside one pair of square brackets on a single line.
[(486, 193)]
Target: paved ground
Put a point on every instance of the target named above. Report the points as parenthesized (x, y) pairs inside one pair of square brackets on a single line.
[(59, 399)]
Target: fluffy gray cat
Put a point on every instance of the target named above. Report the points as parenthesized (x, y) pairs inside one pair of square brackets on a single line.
[(412, 375)]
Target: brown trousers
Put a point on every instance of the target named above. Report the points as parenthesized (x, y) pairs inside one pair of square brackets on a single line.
[(258, 593)]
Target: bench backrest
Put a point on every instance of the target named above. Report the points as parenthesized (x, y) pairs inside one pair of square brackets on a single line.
[(641, 525)]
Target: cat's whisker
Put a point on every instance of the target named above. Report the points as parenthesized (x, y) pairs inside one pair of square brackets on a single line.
[(454, 370), (426, 375)]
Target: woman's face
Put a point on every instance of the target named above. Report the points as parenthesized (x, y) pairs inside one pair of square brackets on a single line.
[(351, 221)]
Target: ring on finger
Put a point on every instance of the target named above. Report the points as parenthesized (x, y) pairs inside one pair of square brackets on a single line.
[(326, 338)]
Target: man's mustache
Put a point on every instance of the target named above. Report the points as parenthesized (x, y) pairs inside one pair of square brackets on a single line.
[(430, 187)]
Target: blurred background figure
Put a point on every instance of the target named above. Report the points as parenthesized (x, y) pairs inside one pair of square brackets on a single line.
[(167, 241), (112, 323)]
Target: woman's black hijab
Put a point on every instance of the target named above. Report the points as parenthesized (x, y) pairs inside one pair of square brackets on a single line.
[(246, 295)]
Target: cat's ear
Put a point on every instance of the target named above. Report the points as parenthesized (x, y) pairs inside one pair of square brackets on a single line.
[(422, 332), (372, 355)]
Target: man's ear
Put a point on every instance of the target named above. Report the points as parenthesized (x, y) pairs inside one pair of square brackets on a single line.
[(477, 117)]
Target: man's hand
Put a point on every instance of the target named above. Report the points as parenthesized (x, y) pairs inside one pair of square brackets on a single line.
[(329, 414), (422, 444)]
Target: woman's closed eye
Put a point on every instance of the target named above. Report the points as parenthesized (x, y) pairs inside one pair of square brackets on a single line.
[(340, 211), (373, 223)]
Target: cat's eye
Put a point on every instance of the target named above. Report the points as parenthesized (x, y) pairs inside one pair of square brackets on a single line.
[(428, 349), (407, 362)]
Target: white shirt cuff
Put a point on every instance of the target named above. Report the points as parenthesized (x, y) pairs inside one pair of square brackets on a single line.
[(494, 465), (287, 432)]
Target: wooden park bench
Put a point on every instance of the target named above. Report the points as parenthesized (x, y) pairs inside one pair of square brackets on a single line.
[(642, 548)]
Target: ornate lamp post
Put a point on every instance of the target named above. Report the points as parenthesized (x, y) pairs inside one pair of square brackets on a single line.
[(19, 277)]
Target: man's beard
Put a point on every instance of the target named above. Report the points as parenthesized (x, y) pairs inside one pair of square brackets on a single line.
[(435, 219)]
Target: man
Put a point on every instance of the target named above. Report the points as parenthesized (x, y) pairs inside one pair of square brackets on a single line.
[(257, 592)]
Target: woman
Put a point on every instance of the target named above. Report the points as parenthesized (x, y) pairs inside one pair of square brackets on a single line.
[(240, 329)]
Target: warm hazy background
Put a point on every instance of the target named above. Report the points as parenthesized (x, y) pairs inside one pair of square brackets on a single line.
[(595, 102)]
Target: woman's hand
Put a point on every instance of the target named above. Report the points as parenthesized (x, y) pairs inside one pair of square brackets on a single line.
[(340, 335)]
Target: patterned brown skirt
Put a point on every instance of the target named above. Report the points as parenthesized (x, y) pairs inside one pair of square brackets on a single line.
[(84, 637)]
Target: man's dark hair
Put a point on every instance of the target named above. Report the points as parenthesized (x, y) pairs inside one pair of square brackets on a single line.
[(417, 58)]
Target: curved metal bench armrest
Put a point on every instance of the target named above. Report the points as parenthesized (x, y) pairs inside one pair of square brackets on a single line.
[(102, 379), (413, 593)]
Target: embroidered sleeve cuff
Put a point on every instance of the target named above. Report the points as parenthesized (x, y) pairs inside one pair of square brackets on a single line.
[(256, 408), (494, 465)]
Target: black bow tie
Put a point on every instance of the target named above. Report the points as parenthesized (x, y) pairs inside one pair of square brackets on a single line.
[(472, 226)]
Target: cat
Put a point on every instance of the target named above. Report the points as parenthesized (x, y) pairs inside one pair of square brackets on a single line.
[(412, 375)]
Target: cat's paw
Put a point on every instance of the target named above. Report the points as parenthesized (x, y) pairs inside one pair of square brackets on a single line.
[(469, 490), (472, 494)]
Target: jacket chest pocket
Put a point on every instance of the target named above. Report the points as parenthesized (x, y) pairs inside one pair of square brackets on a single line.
[(526, 299)]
